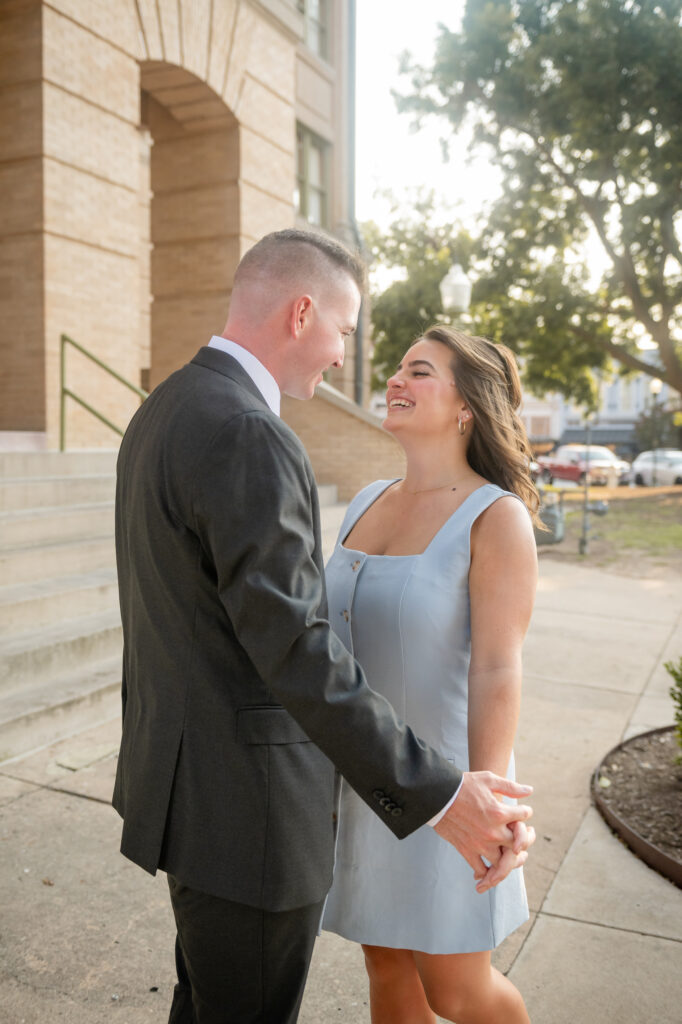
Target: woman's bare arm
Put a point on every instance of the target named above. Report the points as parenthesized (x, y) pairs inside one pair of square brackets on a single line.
[(502, 584)]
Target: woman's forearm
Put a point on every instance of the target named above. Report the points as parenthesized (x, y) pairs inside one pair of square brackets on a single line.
[(494, 701)]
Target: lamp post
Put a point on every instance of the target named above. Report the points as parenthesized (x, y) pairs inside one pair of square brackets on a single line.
[(583, 542), (455, 291), (655, 388)]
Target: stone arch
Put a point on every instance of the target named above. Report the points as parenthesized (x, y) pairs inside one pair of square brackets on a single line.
[(190, 217), (218, 84)]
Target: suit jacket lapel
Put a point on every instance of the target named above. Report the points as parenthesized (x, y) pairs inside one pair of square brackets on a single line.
[(220, 362)]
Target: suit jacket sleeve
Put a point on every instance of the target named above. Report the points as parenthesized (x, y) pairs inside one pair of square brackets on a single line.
[(253, 503)]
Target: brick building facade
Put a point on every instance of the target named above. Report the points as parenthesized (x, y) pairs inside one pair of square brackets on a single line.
[(144, 146)]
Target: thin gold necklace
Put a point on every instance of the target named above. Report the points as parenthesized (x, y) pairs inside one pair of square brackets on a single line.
[(427, 490)]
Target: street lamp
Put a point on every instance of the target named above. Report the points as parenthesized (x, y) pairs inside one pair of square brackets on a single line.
[(455, 290), (583, 541), (655, 386)]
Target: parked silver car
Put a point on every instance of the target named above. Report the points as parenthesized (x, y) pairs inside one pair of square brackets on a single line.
[(662, 464)]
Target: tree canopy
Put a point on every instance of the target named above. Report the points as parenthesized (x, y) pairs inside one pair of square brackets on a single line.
[(421, 250), (579, 103)]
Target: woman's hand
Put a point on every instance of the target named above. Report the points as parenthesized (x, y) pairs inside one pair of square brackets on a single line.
[(480, 826)]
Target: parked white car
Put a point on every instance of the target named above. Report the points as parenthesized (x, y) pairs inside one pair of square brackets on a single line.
[(663, 463)]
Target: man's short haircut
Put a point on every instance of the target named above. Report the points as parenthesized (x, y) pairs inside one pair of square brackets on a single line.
[(298, 255)]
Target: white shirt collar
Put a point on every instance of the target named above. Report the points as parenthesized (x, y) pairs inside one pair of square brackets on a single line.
[(262, 378)]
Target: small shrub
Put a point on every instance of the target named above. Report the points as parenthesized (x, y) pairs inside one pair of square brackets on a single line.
[(675, 691)]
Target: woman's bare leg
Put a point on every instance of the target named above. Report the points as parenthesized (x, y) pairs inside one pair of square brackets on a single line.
[(465, 988), (396, 994)]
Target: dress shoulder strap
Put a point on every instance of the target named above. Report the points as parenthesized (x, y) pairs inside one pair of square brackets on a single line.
[(359, 505), (457, 529), (483, 497)]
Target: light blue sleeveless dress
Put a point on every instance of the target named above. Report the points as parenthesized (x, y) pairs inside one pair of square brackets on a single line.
[(406, 620)]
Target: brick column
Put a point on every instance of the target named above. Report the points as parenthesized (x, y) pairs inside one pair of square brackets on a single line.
[(22, 375)]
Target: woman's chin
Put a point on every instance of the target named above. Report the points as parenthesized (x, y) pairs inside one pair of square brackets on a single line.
[(392, 423)]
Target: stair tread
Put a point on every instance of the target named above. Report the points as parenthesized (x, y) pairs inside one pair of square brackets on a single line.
[(60, 632), (14, 593), (59, 545), (60, 689), (51, 477), (46, 512)]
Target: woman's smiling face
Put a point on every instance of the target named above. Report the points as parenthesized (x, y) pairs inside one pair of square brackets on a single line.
[(422, 395)]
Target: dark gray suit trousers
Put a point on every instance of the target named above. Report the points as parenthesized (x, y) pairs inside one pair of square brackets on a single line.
[(238, 964)]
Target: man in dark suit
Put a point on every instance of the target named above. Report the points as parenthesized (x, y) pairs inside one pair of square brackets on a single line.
[(238, 699)]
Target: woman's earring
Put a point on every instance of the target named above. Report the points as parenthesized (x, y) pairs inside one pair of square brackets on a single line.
[(461, 426)]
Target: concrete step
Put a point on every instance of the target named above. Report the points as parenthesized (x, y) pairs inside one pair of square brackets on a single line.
[(24, 565), (35, 656), (45, 602), (39, 715), (35, 526), (41, 492), (328, 494), (331, 518), (75, 463)]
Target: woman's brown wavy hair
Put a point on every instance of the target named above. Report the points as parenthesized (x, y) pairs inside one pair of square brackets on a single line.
[(487, 378)]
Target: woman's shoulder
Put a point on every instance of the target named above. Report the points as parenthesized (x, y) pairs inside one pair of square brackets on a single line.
[(502, 518), (371, 491)]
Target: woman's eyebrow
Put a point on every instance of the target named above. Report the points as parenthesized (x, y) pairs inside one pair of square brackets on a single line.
[(417, 362)]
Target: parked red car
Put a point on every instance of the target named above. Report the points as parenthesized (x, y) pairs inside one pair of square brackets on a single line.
[(570, 462)]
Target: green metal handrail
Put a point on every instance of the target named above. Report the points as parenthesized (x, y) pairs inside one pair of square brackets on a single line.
[(66, 392)]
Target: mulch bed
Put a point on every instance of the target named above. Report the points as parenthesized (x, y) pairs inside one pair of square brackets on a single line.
[(642, 784)]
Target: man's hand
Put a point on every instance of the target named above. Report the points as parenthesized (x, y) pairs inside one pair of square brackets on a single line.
[(480, 826)]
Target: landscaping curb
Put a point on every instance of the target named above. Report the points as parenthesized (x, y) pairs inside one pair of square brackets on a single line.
[(646, 851)]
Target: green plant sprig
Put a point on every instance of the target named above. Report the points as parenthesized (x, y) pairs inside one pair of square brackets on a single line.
[(675, 691)]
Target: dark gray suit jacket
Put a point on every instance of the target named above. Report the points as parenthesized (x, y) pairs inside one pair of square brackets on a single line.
[(237, 695)]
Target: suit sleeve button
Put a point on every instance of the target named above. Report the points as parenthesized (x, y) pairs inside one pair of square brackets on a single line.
[(396, 812), (378, 794)]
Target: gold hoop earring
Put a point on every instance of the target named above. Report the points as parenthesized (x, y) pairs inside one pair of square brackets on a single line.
[(461, 426)]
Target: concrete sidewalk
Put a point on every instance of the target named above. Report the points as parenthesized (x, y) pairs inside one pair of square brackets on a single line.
[(86, 937)]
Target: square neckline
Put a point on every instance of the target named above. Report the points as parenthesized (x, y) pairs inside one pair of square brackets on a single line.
[(417, 554)]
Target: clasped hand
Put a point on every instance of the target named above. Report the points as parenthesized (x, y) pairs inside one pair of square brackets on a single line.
[(491, 836)]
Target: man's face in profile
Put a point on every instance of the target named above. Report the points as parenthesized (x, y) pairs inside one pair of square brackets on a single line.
[(331, 319)]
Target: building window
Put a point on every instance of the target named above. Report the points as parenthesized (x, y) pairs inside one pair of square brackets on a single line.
[(540, 426), (316, 15), (613, 396), (312, 171)]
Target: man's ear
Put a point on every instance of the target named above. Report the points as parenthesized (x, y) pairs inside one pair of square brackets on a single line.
[(301, 312)]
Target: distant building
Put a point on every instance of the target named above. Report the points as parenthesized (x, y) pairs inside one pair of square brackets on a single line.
[(622, 401), (144, 146)]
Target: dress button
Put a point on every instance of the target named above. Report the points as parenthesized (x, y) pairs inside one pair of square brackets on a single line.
[(356, 565), (345, 614)]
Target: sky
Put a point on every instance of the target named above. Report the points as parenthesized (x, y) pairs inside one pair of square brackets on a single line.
[(388, 154)]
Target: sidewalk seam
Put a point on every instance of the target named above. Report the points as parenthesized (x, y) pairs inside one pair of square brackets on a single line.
[(657, 661), (610, 927), (52, 788)]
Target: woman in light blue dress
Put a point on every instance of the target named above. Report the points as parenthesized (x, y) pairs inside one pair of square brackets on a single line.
[(431, 587)]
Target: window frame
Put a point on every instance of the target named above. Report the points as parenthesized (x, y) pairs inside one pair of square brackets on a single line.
[(321, 25), (306, 139)]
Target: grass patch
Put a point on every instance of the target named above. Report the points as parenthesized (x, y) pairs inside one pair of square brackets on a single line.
[(633, 532)]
